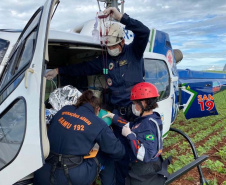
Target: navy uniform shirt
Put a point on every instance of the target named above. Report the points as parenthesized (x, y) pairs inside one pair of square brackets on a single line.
[(75, 131), (125, 70), (145, 141)]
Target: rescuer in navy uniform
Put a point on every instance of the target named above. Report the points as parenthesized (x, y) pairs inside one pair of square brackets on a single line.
[(144, 136), (125, 66), (73, 132)]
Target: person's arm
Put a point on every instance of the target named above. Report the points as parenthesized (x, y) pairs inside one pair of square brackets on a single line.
[(117, 120), (110, 144), (86, 68), (144, 149), (141, 34)]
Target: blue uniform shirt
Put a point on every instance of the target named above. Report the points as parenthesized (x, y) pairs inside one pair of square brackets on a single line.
[(74, 131), (145, 142), (125, 70)]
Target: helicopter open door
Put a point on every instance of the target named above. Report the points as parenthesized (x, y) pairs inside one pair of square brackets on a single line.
[(21, 99)]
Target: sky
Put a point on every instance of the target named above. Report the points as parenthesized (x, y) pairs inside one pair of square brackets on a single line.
[(196, 27)]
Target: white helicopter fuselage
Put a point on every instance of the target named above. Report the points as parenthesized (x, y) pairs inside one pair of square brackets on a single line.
[(23, 139)]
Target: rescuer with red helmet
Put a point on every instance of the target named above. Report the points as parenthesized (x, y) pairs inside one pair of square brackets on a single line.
[(144, 137)]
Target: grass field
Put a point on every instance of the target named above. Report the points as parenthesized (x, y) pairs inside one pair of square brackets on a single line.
[(209, 137)]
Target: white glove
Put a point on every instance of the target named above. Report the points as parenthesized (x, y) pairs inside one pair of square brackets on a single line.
[(110, 115), (126, 130), (115, 14), (127, 124), (52, 74)]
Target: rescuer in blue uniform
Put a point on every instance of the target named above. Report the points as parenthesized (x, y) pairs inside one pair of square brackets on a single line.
[(144, 136), (125, 66), (73, 132), (125, 63)]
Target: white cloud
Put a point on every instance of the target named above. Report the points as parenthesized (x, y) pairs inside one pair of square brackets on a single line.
[(195, 27)]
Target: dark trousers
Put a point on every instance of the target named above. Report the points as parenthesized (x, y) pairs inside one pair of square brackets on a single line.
[(107, 169), (122, 166), (84, 174), (141, 173)]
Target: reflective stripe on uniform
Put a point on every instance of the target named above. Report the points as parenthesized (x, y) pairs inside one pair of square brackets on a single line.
[(141, 153), (159, 139)]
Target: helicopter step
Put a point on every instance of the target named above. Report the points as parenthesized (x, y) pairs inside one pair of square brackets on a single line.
[(185, 169)]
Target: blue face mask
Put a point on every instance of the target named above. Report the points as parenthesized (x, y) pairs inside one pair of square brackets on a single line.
[(135, 112), (113, 52)]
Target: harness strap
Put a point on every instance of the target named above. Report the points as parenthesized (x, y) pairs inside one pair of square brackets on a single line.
[(67, 174), (61, 155), (61, 161), (159, 139), (96, 160), (98, 165), (52, 173), (165, 164)]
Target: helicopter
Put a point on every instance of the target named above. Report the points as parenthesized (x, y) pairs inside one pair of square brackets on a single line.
[(26, 56)]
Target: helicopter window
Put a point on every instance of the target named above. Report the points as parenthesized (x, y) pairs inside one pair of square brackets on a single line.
[(12, 129), (156, 72), (21, 57), (168, 44), (27, 52), (4, 44)]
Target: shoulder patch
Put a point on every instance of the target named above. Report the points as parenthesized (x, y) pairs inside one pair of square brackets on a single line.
[(150, 137), (123, 62)]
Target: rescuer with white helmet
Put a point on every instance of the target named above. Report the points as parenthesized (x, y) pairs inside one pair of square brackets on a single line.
[(123, 69), (115, 35), (115, 40)]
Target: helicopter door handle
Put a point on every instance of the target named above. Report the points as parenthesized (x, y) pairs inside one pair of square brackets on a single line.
[(26, 74)]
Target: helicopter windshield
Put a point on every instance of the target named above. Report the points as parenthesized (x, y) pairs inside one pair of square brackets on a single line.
[(156, 72), (4, 44)]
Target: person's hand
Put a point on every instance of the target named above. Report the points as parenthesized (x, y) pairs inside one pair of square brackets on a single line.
[(126, 130), (115, 14), (52, 74), (110, 115)]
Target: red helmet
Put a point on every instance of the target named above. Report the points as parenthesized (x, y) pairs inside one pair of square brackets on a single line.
[(143, 90)]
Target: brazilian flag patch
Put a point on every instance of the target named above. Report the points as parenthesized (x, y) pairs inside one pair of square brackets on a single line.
[(150, 137)]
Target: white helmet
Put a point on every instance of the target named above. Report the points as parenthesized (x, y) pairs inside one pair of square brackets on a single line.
[(115, 34)]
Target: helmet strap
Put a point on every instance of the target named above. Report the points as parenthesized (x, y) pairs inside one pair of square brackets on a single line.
[(120, 44), (142, 108)]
